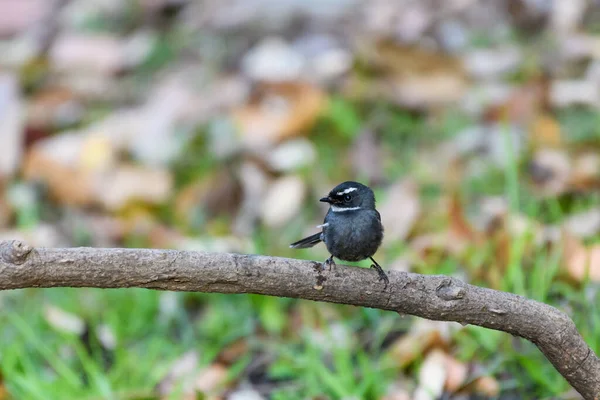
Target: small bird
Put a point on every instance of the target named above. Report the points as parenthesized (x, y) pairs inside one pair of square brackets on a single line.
[(352, 230)]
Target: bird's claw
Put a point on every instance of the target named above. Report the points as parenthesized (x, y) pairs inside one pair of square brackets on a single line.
[(382, 275), (329, 263)]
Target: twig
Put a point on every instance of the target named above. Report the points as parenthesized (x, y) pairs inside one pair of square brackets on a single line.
[(434, 297)]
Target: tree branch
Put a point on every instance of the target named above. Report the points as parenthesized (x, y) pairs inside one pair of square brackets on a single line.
[(428, 296)]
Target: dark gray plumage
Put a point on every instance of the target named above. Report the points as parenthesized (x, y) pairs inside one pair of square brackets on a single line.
[(352, 230)]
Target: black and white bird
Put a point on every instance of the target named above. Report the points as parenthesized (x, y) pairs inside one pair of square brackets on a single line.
[(352, 230)]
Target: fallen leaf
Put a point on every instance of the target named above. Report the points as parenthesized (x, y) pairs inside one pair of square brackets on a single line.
[(64, 321), (545, 132), (367, 158), (487, 386), (42, 235), (12, 115), (459, 226), (4, 393), (409, 76), (20, 15), (585, 172), (423, 335), (456, 373), (279, 111), (273, 60), (128, 183), (550, 172), (432, 376), (564, 93), (233, 351), (101, 53), (581, 261), (579, 46), (523, 105), (492, 63), (291, 155), (584, 224), (254, 185), (107, 337), (400, 210), (245, 394), (219, 193), (53, 159), (282, 201), (567, 15)]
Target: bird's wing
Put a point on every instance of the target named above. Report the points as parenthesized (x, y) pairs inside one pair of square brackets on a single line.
[(307, 242), (378, 215)]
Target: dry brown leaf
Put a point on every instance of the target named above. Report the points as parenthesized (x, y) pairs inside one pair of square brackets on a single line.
[(218, 194), (4, 393), (53, 161), (523, 105), (233, 351), (581, 261), (423, 335), (460, 228), (545, 132), (456, 373), (278, 111), (585, 173), (410, 76), (487, 386)]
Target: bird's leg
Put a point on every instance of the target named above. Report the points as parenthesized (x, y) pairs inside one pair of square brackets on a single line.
[(382, 276), (329, 263)]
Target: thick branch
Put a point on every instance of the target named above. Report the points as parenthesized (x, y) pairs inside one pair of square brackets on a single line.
[(433, 297)]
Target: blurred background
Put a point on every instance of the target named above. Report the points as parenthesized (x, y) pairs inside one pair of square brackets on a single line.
[(217, 125)]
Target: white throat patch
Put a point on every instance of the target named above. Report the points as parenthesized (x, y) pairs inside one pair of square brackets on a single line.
[(342, 209), (350, 189)]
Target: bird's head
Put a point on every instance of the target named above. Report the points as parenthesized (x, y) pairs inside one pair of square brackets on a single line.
[(350, 196)]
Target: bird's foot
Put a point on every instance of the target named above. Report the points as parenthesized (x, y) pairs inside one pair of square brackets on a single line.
[(329, 263), (382, 276)]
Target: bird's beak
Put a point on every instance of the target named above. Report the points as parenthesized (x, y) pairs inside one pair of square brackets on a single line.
[(326, 200)]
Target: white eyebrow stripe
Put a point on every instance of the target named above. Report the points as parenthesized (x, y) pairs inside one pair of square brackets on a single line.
[(342, 209), (351, 189), (323, 225)]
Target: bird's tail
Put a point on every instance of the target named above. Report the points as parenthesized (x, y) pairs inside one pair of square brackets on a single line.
[(307, 242)]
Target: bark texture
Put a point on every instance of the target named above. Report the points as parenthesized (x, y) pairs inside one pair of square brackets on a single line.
[(434, 297)]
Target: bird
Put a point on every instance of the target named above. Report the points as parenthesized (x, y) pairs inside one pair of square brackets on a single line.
[(352, 229)]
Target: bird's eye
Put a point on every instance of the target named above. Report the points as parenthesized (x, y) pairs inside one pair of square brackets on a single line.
[(347, 197)]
